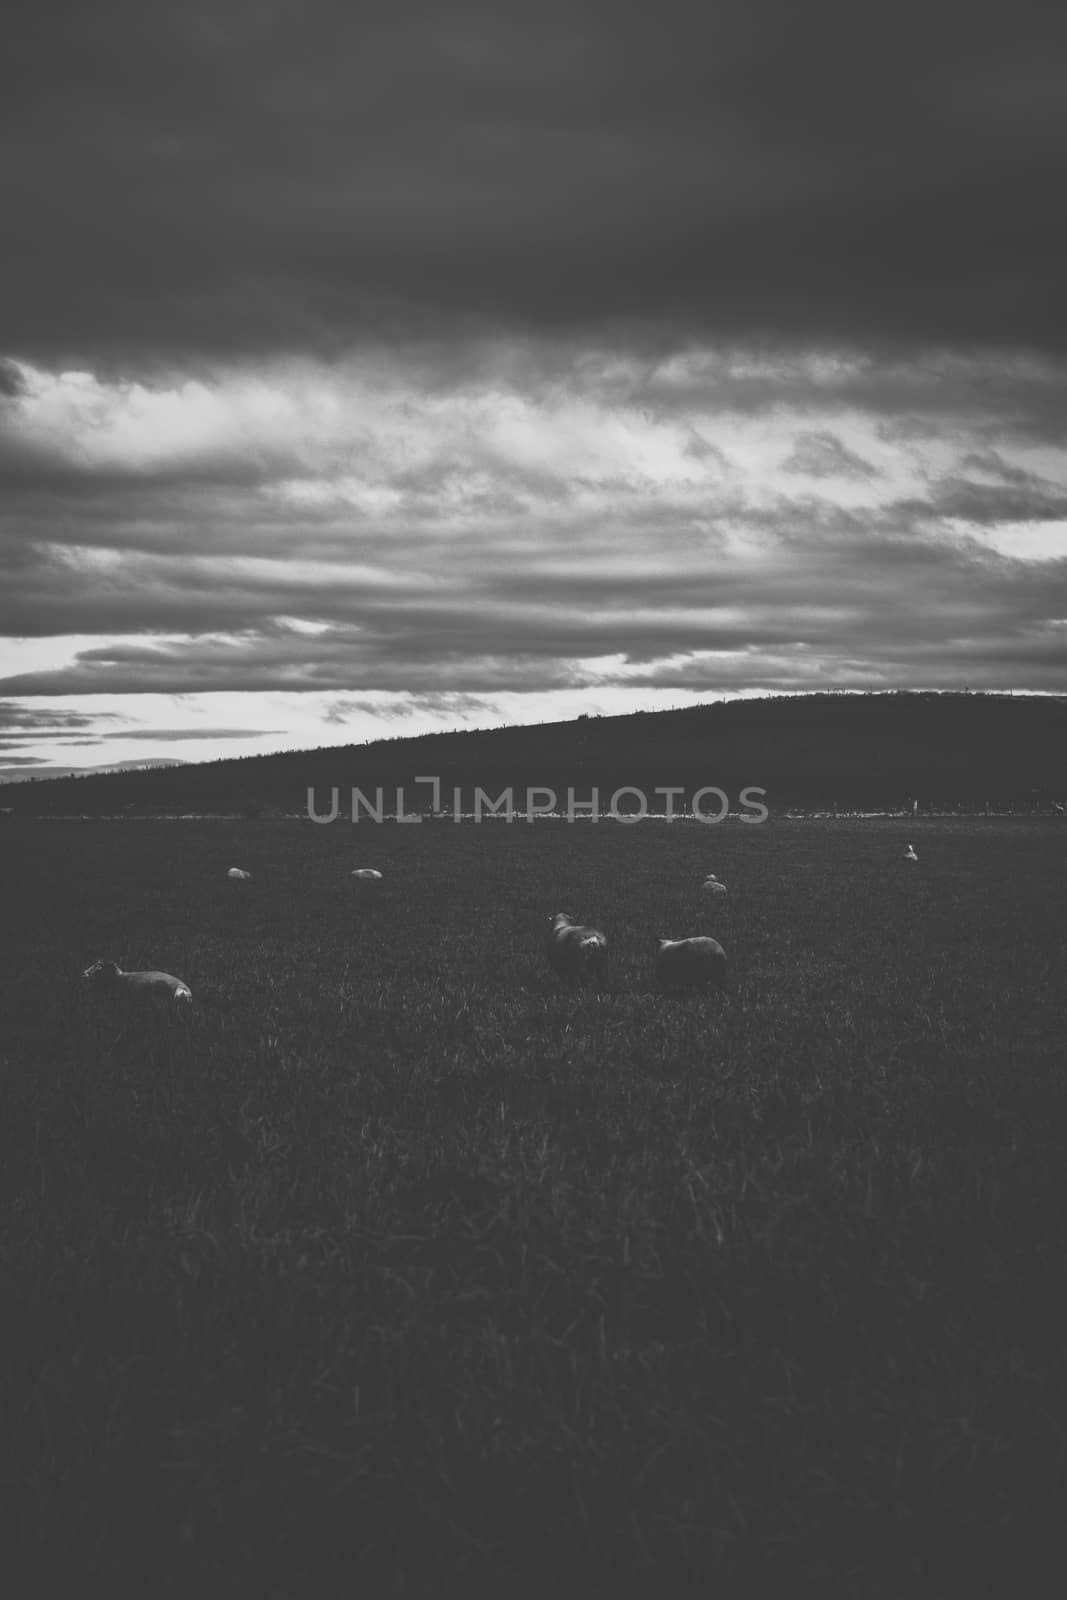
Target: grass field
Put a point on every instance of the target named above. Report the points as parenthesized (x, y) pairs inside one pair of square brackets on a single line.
[(400, 1269)]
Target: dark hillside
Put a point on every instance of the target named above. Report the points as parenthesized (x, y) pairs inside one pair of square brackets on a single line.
[(876, 749)]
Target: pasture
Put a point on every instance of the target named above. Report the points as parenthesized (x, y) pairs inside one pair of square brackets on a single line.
[(401, 1268)]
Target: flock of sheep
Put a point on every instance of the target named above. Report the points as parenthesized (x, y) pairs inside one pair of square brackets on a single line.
[(576, 951)]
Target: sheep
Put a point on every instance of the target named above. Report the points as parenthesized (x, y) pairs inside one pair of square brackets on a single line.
[(238, 872), (909, 854), (575, 950), (108, 977), (690, 963), (366, 874), (713, 886)]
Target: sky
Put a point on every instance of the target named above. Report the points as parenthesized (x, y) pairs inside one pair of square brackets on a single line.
[(369, 370)]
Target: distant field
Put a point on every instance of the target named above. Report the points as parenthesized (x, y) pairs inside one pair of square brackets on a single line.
[(401, 1270)]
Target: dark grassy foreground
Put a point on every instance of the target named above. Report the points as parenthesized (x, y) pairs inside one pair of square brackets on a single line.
[(400, 1270)]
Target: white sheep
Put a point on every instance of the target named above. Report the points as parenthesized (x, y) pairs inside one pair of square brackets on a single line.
[(690, 963), (575, 950), (238, 872), (909, 854), (713, 886), (366, 874), (108, 977)]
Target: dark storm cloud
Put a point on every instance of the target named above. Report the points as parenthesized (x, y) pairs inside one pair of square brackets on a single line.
[(37, 722), (181, 182), (862, 595), (996, 396), (48, 597), (12, 382), (1026, 499), (822, 455), (446, 704), (26, 468), (498, 560), (29, 724), (991, 464), (172, 735)]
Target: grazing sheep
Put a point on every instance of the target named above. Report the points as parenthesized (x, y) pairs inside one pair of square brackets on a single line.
[(909, 854), (690, 963), (576, 951), (713, 886), (238, 872), (367, 874), (110, 979)]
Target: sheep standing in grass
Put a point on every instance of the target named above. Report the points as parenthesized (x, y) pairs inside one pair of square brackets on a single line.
[(238, 872), (109, 978), (367, 874), (575, 950), (713, 886), (909, 854), (695, 963)]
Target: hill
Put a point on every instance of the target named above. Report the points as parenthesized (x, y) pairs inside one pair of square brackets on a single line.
[(21, 775), (852, 750)]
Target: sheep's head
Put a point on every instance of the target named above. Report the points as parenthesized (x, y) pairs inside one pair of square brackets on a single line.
[(561, 919), (101, 972)]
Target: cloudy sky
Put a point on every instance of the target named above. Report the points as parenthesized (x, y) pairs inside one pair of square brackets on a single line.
[(377, 368)]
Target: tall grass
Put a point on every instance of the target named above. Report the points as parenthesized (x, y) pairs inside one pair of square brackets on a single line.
[(401, 1268)]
